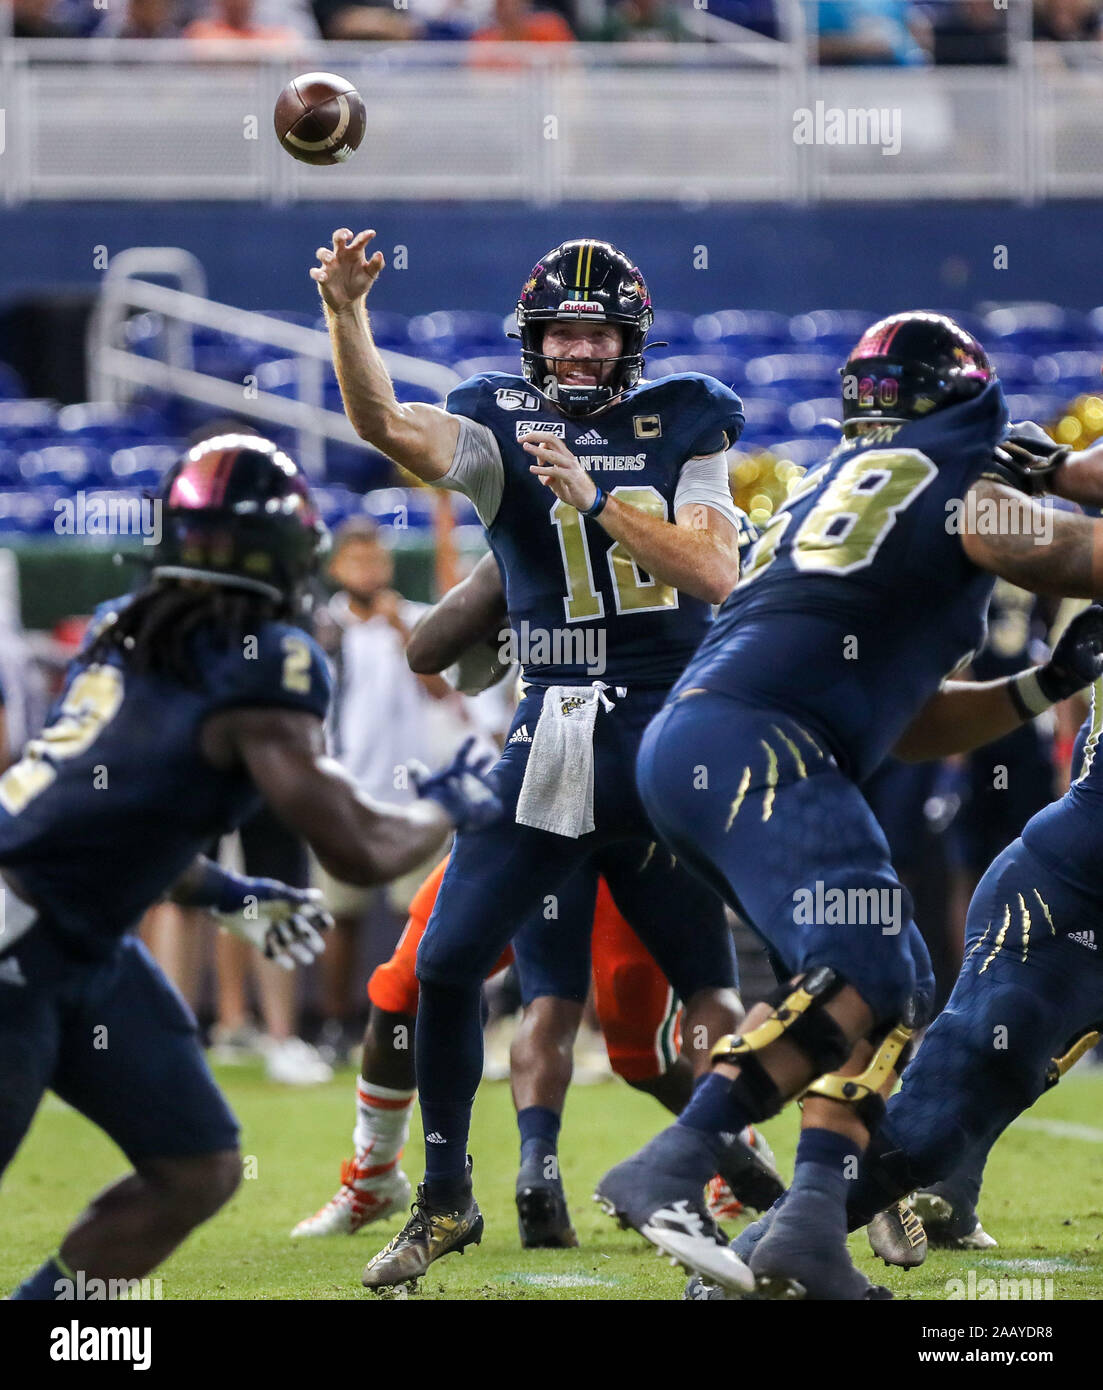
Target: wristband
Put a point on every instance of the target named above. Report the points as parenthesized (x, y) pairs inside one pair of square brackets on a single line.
[(1028, 692), (599, 502)]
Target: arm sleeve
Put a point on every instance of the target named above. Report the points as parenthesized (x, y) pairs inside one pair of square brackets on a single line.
[(477, 469), (706, 480)]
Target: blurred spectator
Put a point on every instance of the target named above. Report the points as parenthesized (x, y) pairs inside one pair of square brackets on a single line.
[(38, 19), (856, 32), (150, 19), (969, 32), (379, 723), (1067, 20), (234, 19), (515, 21), (364, 19), (632, 21)]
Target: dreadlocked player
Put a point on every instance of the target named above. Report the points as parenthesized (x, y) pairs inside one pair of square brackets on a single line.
[(867, 587), (191, 702)]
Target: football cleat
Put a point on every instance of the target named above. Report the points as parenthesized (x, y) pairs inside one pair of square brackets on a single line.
[(542, 1217), (949, 1228), (749, 1170), (659, 1192), (722, 1203), (896, 1235), (430, 1233), (365, 1195)]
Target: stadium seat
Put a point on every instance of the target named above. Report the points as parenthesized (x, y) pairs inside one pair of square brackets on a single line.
[(1033, 327), (724, 367), (816, 373), (744, 332), (142, 465), (830, 330), (33, 419), (30, 512), (676, 328), (499, 362), (67, 465), (766, 419), (448, 334), (404, 508), (98, 420), (1015, 369), (1075, 372), (817, 419)]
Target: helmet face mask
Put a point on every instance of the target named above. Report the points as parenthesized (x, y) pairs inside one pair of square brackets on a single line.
[(907, 367), (584, 281), (237, 512)]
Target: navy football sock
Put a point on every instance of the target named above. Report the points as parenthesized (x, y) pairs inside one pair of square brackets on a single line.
[(539, 1128), (714, 1109), (448, 1056), (827, 1161), (42, 1284)]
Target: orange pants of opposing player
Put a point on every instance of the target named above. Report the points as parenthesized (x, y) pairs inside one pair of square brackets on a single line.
[(639, 1016)]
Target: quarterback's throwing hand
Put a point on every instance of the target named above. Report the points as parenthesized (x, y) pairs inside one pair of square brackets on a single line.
[(558, 469), (345, 275)]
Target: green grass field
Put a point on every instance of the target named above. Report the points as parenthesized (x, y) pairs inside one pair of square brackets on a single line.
[(1043, 1200)]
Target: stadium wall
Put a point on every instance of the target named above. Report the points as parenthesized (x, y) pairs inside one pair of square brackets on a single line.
[(878, 257)]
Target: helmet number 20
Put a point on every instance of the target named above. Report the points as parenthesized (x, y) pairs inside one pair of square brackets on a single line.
[(633, 591)]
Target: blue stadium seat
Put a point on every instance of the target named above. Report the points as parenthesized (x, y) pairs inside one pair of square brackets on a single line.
[(451, 333), (34, 419), (391, 331), (355, 466), (676, 328), (810, 418), (404, 508), (1075, 372), (744, 332), (831, 330), (10, 475), (724, 367), (142, 465), (766, 419), (412, 391), (62, 464), (1040, 406), (98, 420), (506, 361), (1015, 369), (1032, 327), (30, 512), (817, 373)]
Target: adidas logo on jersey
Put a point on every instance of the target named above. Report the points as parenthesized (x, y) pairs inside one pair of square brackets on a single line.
[(1083, 938), (435, 1138), (520, 735), (590, 439), (10, 973)]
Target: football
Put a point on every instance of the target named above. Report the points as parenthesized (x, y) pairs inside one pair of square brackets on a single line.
[(320, 118)]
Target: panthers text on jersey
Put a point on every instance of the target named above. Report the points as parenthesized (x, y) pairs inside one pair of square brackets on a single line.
[(659, 447)]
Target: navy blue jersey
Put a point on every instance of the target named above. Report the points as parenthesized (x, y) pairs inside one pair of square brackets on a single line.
[(114, 800), (568, 585), (858, 599), (1066, 835)]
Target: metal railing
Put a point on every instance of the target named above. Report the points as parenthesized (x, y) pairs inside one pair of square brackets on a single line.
[(116, 367), (105, 118)]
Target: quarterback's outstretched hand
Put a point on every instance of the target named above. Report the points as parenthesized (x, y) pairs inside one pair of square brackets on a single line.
[(463, 789), (558, 469), (1077, 658), (345, 275)]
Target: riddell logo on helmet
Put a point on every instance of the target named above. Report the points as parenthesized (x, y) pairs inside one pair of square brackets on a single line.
[(584, 308)]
